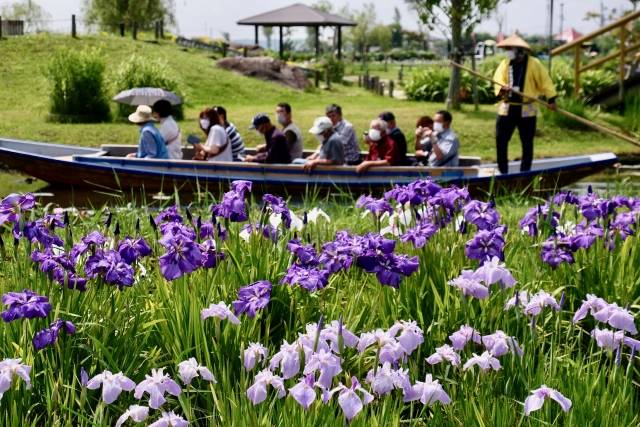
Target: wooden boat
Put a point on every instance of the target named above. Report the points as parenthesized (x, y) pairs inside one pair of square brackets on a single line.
[(107, 168)]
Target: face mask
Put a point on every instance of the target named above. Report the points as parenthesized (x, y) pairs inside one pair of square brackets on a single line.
[(374, 135), (282, 119), (320, 138), (438, 127), (511, 54), (205, 123)]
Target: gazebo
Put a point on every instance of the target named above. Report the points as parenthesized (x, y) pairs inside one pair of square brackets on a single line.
[(299, 15)]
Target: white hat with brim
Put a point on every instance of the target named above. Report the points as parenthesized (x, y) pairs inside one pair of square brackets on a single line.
[(141, 115), (320, 125), (514, 41)]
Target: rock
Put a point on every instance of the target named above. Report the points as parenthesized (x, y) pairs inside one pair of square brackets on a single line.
[(266, 68)]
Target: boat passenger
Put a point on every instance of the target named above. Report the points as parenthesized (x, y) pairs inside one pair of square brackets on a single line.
[(237, 143), (397, 135), (218, 146), (151, 145), (439, 145), (422, 124), (382, 149), (276, 149), (331, 151), (348, 134), (169, 129), (290, 130)]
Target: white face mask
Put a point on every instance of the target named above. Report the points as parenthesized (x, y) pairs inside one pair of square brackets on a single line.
[(438, 127), (374, 135), (511, 54), (205, 123), (282, 119)]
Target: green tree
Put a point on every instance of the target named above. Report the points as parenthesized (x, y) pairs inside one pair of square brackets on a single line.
[(359, 36), (463, 16), (108, 14), (33, 15), (381, 36), (396, 29)]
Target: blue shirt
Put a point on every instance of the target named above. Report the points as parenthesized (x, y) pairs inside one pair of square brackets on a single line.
[(151, 144)]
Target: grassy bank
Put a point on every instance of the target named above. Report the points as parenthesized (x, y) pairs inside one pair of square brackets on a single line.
[(24, 92)]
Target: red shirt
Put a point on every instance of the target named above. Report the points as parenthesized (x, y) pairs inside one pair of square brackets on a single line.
[(385, 149)]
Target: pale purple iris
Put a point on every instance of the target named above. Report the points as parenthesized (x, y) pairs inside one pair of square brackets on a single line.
[(304, 391), (617, 317), (252, 298), (24, 305), (462, 336), (170, 419), (131, 249), (408, 334), (498, 344), (10, 369), (613, 340), (287, 359), (136, 413), (220, 311), (535, 304), (493, 271), (13, 206), (373, 205), (112, 385), (385, 379), (279, 207), (257, 393), (444, 353), (485, 362), (539, 395), (351, 399), (481, 214), (255, 353), (469, 285), (310, 278), (49, 336), (328, 364), (190, 368), (428, 392), (486, 244), (157, 385)]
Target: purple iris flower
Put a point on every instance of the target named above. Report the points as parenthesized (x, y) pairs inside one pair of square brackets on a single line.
[(557, 250), (481, 214), (305, 254), (175, 230), (624, 224), (182, 256), (308, 277), (206, 230), (41, 230), (241, 186), (252, 298), (133, 249), (373, 205), (339, 254), (110, 266), (12, 206), (585, 235), (232, 207), (389, 268), (211, 257), (594, 207), (24, 305), (279, 207), (420, 234), (565, 197), (169, 214), (451, 199), (59, 267), (486, 244), (530, 221), (93, 241), (49, 336)]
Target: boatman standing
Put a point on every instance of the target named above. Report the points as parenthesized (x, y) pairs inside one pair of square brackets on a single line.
[(521, 72)]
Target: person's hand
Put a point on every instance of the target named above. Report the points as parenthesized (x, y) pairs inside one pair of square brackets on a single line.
[(553, 106), (362, 168), (505, 90), (261, 148), (249, 158), (419, 131), (310, 165), (130, 155), (420, 153)]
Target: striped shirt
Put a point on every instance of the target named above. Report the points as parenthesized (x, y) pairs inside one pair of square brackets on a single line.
[(237, 143)]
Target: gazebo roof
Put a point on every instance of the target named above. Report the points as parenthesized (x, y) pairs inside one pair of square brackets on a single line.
[(297, 15)]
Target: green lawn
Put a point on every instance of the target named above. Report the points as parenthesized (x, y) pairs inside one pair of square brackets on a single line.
[(24, 106)]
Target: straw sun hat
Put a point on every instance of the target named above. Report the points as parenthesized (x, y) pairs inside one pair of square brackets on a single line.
[(514, 41), (142, 115)]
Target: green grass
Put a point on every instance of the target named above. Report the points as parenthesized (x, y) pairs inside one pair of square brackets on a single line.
[(25, 103), (156, 323)]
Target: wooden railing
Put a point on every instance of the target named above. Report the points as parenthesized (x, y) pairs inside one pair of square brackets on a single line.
[(620, 54)]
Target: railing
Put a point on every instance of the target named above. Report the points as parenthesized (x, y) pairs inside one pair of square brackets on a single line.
[(621, 53)]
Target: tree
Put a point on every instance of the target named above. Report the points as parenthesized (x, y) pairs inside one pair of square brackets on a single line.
[(268, 33), (463, 16), (381, 36), (396, 29), (33, 15), (108, 14), (359, 35)]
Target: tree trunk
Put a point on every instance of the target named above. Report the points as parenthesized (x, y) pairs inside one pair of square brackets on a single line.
[(453, 97)]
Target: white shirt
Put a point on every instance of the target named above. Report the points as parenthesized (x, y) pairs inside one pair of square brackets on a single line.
[(218, 137), (172, 137)]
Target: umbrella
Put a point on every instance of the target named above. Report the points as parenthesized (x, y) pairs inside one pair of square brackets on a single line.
[(146, 96)]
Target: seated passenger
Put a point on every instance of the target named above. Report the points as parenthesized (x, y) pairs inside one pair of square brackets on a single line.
[(398, 137), (422, 124), (440, 146), (290, 130), (348, 134), (218, 146), (237, 143), (331, 151), (276, 148), (151, 145), (169, 129), (382, 149)]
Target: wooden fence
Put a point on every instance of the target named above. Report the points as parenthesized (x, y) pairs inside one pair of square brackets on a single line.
[(11, 27)]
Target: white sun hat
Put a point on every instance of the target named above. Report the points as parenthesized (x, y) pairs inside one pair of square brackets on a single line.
[(320, 125), (142, 115)]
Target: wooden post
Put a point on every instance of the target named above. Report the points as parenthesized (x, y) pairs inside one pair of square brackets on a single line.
[(317, 78), (623, 57), (245, 52), (73, 26), (157, 30), (474, 81), (391, 85), (135, 31), (224, 50), (576, 71), (327, 78), (162, 29), (401, 72), (122, 29), (359, 80), (0, 27), (281, 44), (255, 35), (339, 42), (317, 41)]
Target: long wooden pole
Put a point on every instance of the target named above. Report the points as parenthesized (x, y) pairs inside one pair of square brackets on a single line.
[(589, 123)]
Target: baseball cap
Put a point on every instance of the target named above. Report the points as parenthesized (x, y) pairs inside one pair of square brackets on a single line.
[(259, 119), (320, 125)]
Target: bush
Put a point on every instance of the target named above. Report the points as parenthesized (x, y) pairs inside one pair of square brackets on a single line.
[(631, 118), (333, 66), (432, 84), (78, 87), (138, 71), (575, 106)]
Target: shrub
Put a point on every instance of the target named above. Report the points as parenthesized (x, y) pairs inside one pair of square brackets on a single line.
[(138, 71), (631, 118), (78, 87), (593, 81), (333, 66), (575, 106), (432, 84)]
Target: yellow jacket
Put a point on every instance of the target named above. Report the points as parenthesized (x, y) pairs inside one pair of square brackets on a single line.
[(536, 82)]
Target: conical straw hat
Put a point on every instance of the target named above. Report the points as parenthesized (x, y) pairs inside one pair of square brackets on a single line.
[(514, 41)]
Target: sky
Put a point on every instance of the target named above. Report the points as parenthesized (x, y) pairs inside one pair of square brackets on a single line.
[(213, 17)]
